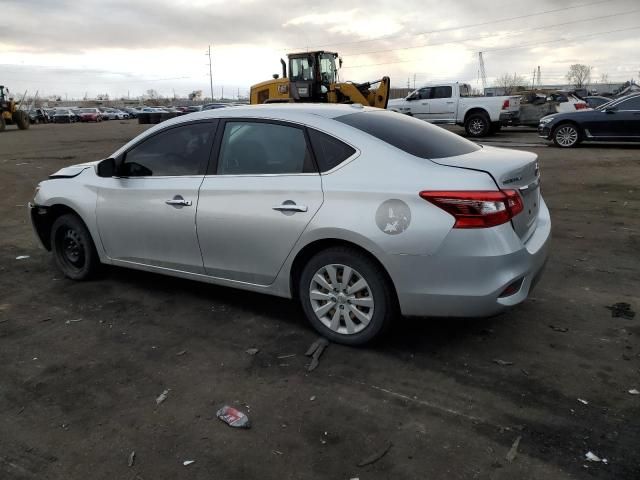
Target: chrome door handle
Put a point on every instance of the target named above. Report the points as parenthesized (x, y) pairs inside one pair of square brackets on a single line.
[(290, 208), (179, 201), (450, 103)]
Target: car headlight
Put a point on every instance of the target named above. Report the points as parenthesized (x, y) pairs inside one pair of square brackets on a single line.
[(544, 121)]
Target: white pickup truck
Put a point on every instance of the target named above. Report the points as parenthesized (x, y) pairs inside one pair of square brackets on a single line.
[(453, 103)]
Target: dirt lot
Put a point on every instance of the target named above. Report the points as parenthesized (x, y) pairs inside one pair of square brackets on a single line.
[(81, 364)]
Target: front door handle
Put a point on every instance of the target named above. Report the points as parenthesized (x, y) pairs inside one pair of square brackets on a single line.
[(178, 201), (290, 207)]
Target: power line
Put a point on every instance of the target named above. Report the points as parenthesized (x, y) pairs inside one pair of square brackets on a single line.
[(481, 37), (506, 48), (459, 27)]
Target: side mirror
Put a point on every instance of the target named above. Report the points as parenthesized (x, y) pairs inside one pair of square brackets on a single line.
[(107, 168)]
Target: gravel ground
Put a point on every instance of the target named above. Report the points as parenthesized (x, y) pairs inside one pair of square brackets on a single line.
[(81, 364)]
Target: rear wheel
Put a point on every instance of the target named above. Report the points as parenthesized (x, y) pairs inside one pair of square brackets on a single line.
[(3, 124), (477, 125), (73, 249), (21, 119), (566, 135), (346, 296)]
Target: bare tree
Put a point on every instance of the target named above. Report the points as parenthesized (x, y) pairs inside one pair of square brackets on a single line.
[(579, 75), (510, 83), (152, 94), (604, 78)]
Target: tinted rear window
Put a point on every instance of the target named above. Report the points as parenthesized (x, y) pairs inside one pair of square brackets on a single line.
[(414, 136)]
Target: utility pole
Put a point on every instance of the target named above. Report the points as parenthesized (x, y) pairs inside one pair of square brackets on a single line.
[(538, 79), (210, 72), (414, 81), (483, 73), (222, 94)]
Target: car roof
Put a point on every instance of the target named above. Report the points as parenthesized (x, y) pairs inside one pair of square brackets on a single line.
[(282, 111)]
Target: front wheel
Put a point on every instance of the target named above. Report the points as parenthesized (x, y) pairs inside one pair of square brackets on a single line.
[(477, 125), (566, 136), (346, 296), (73, 249), (21, 119)]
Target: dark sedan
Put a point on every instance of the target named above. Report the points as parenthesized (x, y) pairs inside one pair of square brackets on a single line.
[(616, 121)]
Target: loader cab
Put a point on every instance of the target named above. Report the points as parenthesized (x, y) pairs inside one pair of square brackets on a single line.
[(311, 75)]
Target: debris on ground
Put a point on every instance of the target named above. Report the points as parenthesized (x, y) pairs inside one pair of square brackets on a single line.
[(162, 397), (74, 320), (513, 451), (581, 400), (252, 351), (180, 353), (634, 391), (376, 456), (276, 452), (502, 363), (526, 372), (314, 351), (233, 417), (621, 309), (132, 459), (313, 397), (22, 257), (558, 329), (186, 463), (323, 439), (289, 355), (592, 457)]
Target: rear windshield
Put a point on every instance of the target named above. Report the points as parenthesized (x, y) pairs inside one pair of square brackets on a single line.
[(414, 136)]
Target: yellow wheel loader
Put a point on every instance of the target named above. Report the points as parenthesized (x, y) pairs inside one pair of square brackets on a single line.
[(9, 112), (313, 77)]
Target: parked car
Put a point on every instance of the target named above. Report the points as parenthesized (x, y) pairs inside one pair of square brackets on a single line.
[(64, 116), (90, 115), (595, 101), (440, 227), (535, 105), (39, 115), (618, 120), (213, 106), (132, 112), (452, 103)]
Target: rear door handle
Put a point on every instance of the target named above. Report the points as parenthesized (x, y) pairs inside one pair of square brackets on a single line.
[(290, 207), (178, 201)]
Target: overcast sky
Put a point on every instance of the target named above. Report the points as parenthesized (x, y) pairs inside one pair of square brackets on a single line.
[(78, 47)]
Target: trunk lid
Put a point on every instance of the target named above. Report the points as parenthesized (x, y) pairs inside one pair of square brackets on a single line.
[(511, 170)]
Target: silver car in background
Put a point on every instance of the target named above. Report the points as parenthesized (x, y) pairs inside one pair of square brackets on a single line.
[(359, 213)]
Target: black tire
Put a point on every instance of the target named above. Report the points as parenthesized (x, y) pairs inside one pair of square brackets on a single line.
[(73, 249), (477, 125), (566, 135), (3, 124), (21, 119), (378, 288)]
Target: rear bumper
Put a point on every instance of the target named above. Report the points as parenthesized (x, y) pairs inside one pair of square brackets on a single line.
[(467, 276), (507, 118)]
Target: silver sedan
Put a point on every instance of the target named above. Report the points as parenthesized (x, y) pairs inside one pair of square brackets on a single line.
[(361, 214)]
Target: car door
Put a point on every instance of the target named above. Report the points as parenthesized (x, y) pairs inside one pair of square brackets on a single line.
[(442, 105), (262, 191), (147, 214), (614, 121), (419, 103), (628, 112)]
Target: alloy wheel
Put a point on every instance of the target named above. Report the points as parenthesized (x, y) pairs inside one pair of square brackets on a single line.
[(567, 136), (341, 299), (476, 126)]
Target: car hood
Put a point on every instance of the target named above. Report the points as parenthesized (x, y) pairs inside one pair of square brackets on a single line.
[(568, 115), (73, 170), (396, 101)]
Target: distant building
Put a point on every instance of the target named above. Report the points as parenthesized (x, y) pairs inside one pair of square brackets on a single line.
[(594, 88)]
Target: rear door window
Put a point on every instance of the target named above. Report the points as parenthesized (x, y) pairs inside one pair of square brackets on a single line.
[(409, 134), (329, 151), (262, 148), (442, 92)]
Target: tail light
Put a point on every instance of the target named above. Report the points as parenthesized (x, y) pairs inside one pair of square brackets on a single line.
[(477, 209), (580, 106), (505, 104)]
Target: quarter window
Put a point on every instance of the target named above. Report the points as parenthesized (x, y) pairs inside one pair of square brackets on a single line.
[(259, 148), (442, 92), (330, 152), (177, 151)]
